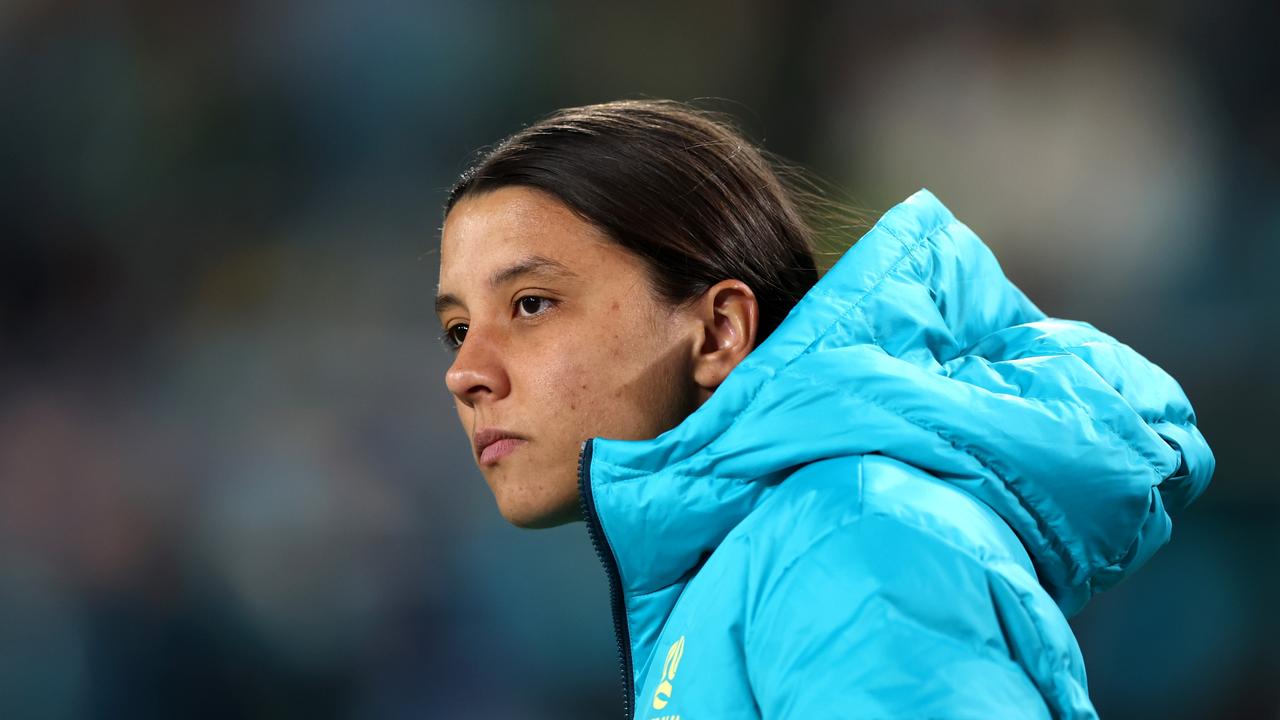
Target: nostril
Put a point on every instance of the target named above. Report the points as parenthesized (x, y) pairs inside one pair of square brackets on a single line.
[(477, 371)]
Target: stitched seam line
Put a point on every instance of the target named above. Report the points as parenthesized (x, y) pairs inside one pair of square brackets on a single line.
[(1055, 543), (633, 474), (1038, 349), (966, 552), (1027, 507)]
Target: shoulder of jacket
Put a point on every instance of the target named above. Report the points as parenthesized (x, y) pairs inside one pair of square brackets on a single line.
[(827, 499)]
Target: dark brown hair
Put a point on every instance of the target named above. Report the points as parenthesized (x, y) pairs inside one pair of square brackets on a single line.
[(680, 189)]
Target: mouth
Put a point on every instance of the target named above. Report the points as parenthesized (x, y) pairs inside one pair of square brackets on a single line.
[(493, 444)]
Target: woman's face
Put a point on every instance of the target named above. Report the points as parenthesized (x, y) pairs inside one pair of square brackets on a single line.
[(560, 341)]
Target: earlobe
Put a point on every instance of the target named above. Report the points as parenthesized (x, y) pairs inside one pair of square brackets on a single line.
[(730, 315)]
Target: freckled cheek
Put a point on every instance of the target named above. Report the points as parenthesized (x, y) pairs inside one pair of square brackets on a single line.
[(566, 383), (584, 375)]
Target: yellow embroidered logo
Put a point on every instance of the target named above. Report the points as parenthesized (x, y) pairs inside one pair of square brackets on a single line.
[(662, 695)]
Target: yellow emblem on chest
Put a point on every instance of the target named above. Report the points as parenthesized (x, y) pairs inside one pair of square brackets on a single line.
[(662, 695)]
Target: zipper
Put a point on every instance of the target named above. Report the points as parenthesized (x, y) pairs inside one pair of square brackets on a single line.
[(610, 562)]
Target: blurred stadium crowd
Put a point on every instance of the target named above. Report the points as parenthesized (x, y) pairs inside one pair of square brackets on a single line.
[(232, 483)]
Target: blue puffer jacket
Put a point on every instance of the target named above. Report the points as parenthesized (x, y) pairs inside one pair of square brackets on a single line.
[(891, 506)]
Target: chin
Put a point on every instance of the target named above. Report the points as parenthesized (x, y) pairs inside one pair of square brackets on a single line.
[(538, 518)]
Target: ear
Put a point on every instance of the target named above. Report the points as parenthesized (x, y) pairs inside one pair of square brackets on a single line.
[(728, 315)]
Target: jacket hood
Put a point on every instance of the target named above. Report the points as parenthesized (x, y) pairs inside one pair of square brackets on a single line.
[(916, 346)]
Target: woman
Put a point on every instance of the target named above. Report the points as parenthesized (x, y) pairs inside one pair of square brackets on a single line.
[(875, 494)]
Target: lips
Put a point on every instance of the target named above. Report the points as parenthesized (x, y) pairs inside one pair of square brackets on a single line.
[(489, 436)]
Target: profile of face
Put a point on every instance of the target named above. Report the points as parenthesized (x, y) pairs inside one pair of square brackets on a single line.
[(559, 338)]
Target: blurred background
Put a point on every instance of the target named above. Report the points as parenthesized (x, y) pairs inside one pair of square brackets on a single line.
[(232, 482)]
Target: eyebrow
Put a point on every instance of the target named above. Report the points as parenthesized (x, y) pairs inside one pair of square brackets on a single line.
[(531, 265)]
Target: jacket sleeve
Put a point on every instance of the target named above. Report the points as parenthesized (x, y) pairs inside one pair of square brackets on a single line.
[(880, 619)]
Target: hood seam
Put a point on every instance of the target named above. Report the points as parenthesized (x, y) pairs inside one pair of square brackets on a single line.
[(1056, 543), (635, 474)]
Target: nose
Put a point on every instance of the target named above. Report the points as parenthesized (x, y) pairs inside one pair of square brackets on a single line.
[(477, 370)]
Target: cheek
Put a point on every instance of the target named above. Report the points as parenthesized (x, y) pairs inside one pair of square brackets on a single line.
[(599, 381), (564, 383), (466, 415)]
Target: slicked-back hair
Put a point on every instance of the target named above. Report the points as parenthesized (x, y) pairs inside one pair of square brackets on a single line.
[(677, 187)]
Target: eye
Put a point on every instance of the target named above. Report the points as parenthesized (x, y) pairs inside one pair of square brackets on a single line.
[(451, 338), (524, 304), (534, 305)]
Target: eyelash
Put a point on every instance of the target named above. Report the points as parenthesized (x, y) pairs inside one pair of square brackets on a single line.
[(446, 337)]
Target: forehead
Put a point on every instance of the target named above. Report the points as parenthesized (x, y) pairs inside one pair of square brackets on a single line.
[(486, 231)]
